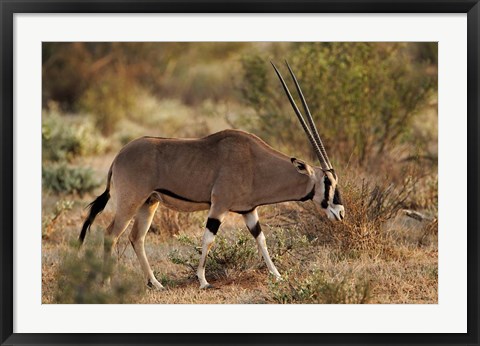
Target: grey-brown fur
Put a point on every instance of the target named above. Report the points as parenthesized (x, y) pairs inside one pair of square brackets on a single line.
[(231, 167)]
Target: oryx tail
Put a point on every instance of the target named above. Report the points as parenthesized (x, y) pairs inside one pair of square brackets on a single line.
[(96, 207)]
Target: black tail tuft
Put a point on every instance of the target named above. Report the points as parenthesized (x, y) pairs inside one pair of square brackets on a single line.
[(96, 207)]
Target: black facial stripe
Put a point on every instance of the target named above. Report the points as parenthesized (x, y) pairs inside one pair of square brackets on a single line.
[(337, 198), (310, 195), (256, 230), (213, 225), (326, 196)]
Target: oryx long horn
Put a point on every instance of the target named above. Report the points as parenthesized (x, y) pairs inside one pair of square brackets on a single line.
[(310, 121), (323, 162)]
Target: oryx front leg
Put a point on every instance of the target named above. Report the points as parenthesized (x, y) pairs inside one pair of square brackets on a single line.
[(143, 220), (251, 220), (213, 224)]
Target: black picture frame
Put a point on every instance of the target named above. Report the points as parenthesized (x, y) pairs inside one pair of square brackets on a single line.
[(9, 7)]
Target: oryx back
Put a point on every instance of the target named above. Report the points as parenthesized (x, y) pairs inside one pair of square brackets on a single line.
[(187, 174)]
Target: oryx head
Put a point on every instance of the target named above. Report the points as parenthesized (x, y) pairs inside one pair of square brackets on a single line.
[(326, 192)]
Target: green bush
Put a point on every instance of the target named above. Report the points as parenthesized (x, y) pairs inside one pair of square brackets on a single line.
[(66, 137), (61, 178), (226, 256), (237, 251), (363, 96)]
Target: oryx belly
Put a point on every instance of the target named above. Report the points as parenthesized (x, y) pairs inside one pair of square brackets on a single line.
[(178, 204)]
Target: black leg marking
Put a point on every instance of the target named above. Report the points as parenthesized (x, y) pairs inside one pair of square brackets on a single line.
[(256, 230), (213, 225), (150, 284), (151, 200)]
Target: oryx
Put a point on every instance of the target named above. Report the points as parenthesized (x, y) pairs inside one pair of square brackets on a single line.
[(228, 171)]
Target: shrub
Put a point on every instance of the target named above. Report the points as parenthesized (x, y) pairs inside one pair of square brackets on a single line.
[(237, 251), (225, 257), (61, 178), (363, 96), (110, 100), (369, 207), (67, 137)]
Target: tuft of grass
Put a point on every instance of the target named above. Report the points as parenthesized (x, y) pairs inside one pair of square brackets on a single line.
[(80, 281), (320, 287), (49, 222), (168, 223)]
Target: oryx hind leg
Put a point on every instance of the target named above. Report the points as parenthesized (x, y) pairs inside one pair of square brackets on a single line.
[(113, 232), (143, 220), (123, 216), (215, 218), (251, 220)]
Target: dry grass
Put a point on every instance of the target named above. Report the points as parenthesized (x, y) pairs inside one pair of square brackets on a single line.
[(378, 255)]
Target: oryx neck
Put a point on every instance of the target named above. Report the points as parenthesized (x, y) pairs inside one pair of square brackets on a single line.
[(281, 182)]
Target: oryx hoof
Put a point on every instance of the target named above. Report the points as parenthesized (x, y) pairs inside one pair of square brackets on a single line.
[(155, 285), (207, 287), (278, 278)]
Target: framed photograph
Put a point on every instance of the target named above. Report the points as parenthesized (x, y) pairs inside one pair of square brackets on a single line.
[(238, 173)]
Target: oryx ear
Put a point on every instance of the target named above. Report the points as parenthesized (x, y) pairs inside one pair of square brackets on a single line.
[(302, 167)]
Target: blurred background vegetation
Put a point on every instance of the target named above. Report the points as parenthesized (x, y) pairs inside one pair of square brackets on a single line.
[(366, 98), (375, 105)]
